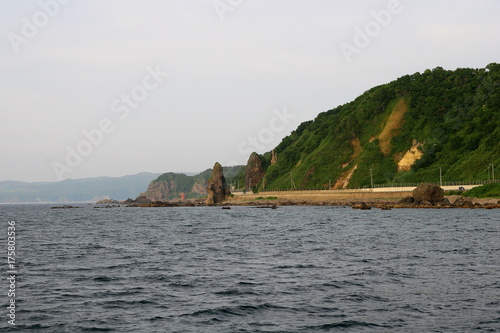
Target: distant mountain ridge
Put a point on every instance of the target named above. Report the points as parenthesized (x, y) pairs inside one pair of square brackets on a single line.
[(86, 189)]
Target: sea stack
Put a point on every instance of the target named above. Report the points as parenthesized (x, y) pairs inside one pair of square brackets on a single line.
[(217, 187)]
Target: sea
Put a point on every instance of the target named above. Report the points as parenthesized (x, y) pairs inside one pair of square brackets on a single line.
[(248, 269)]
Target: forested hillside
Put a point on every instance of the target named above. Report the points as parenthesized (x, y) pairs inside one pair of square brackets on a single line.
[(403, 131)]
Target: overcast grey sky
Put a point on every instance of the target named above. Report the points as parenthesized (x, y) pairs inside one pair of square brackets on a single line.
[(84, 90)]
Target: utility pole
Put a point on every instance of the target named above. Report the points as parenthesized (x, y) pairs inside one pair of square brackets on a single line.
[(440, 177), (371, 177)]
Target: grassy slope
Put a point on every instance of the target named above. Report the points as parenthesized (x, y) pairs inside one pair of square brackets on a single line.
[(485, 191), (455, 114)]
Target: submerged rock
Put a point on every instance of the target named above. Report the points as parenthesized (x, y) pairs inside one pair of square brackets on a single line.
[(362, 206)]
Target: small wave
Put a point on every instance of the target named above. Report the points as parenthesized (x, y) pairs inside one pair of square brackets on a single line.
[(364, 297), (104, 279), (400, 274), (157, 277), (39, 317), (332, 285), (121, 293), (71, 296), (241, 310), (182, 284), (124, 303), (97, 329), (494, 321), (32, 327), (296, 266), (235, 292), (345, 324), (246, 283)]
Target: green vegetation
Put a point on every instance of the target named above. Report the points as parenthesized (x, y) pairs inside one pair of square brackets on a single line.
[(484, 191), (453, 117), (454, 192), (267, 198), (180, 183)]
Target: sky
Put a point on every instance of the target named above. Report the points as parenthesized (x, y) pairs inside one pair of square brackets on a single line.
[(94, 88)]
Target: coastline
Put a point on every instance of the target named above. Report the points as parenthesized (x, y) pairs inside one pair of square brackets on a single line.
[(454, 201)]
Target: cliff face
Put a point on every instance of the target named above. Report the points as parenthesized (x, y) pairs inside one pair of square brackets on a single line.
[(160, 191), (168, 190), (170, 186), (217, 186), (200, 188), (254, 171)]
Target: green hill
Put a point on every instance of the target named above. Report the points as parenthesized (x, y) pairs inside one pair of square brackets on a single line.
[(171, 185), (402, 131)]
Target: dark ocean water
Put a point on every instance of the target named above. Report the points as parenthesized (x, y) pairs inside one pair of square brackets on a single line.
[(293, 269)]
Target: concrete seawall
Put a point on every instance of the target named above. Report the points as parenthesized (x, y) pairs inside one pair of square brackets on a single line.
[(324, 195), (390, 193)]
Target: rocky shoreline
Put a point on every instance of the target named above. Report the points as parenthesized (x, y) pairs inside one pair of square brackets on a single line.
[(453, 202), (424, 196)]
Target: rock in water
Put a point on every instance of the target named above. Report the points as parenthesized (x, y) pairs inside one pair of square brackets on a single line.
[(428, 192), (217, 187), (362, 206)]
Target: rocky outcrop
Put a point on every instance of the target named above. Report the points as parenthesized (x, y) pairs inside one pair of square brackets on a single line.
[(142, 200), (410, 157), (428, 192), (406, 200), (217, 188), (361, 206), (128, 201), (343, 181), (158, 191), (274, 157), (200, 188), (254, 171)]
